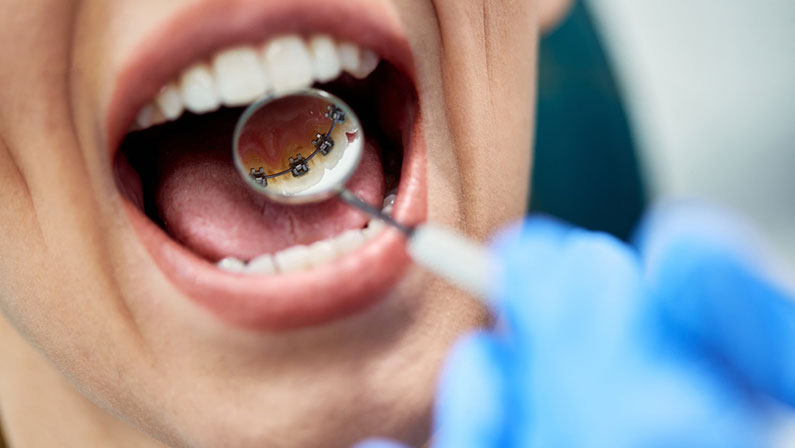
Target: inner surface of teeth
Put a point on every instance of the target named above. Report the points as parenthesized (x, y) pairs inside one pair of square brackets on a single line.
[(180, 153), (268, 141), (238, 76)]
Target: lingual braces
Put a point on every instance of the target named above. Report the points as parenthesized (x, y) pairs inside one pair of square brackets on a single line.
[(299, 165)]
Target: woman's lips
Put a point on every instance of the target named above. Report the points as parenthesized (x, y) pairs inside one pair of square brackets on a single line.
[(301, 298)]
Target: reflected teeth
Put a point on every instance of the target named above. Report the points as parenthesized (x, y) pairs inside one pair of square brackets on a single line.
[(238, 76), (297, 258)]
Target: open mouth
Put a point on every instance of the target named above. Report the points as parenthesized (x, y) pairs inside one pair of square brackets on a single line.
[(253, 262)]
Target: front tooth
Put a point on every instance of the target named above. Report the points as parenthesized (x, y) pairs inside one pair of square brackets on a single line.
[(197, 89), (232, 264), (169, 102), (263, 264), (239, 75), (325, 62), (349, 56), (368, 61), (293, 259), (288, 64)]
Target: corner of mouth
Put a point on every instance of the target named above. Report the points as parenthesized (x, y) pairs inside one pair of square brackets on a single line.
[(300, 298)]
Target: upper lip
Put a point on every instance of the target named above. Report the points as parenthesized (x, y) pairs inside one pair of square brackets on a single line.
[(273, 302)]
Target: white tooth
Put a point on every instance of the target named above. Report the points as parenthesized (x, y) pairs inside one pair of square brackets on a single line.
[(197, 89), (149, 116), (288, 64), (231, 264), (322, 252), (169, 102), (348, 241), (368, 61), (349, 56), (374, 227), (293, 259), (325, 62), (240, 76), (389, 199), (263, 264), (387, 210), (157, 117), (144, 119)]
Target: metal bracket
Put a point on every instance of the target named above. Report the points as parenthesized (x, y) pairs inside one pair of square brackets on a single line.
[(323, 143), (298, 165), (259, 176)]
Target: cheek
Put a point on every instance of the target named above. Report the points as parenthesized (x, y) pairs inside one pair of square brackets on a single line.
[(489, 59)]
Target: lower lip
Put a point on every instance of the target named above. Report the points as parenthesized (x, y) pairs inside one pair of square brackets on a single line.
[(305, 298)]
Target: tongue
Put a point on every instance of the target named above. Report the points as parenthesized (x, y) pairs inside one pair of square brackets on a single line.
[(206, 205)]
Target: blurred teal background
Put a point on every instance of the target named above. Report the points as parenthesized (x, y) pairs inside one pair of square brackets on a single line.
[(585, 169), (652, 101)]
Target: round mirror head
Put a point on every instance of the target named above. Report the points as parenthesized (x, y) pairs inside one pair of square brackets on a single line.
[(298, 147)]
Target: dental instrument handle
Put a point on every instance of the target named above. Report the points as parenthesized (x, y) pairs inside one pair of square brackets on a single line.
[(452, 256)]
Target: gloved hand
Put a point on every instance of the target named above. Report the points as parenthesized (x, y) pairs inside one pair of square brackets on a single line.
[(682, 341)]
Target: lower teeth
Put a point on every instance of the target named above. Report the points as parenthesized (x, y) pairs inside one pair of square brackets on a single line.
[(302, 257)]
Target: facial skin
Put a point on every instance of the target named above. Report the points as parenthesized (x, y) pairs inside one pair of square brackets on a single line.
[(99, 349)]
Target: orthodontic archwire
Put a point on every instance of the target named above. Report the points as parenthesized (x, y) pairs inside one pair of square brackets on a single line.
[(299, 165)]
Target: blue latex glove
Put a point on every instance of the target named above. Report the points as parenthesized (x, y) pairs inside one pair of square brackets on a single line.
[(680, 341)]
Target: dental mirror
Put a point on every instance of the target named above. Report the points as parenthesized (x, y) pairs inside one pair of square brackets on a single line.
[(302, 146)]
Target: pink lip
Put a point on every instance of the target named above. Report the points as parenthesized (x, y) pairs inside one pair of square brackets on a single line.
[(298, 299)]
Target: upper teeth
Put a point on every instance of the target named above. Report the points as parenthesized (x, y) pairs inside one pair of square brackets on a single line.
[(238, 76)]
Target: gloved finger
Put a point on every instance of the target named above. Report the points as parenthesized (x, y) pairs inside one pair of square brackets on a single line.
[(524, 245), (712, 226), (566, 286), (379, 443), (712, 280), (472, 400)]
